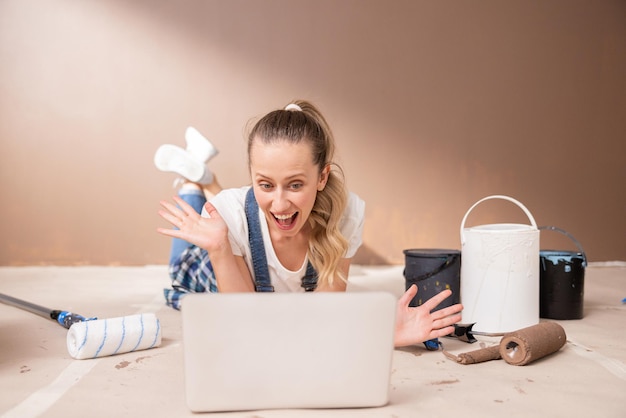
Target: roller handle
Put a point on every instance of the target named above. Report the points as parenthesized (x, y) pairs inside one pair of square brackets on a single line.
[(66, 319), (63, 318)]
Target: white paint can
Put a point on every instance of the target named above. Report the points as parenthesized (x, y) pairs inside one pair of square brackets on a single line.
[(500, 274)]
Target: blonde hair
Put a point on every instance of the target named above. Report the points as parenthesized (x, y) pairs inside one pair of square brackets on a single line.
[(302, 121)]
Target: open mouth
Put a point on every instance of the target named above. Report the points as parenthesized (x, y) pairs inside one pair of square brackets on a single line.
[(285, 221)]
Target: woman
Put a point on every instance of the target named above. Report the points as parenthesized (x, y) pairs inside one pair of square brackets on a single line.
[(297, 208)]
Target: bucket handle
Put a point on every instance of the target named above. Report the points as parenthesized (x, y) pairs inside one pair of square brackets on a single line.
[(570, 236), (510, 199), (449, 260)]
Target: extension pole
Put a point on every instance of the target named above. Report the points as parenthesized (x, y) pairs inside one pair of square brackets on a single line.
[(63, 318)]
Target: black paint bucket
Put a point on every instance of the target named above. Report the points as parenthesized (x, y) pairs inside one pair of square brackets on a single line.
[(433, 270), (561, 281)]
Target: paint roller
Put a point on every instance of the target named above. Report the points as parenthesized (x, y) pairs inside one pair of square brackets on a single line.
[(93, 337), (520, 347)]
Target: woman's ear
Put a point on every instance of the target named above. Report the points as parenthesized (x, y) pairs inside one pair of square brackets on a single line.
[(323, 178)]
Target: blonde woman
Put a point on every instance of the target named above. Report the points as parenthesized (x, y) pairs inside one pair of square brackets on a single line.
[(295, 228)]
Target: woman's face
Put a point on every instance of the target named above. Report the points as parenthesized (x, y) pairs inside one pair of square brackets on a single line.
[(286, 183)]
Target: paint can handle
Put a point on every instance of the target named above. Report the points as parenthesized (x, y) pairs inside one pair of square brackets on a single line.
[(570, 236), (510, 199)]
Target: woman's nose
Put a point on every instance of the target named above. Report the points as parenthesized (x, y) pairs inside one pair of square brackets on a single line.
[(280, 202)]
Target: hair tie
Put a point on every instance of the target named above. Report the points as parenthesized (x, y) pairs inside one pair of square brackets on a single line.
[(293, 106)]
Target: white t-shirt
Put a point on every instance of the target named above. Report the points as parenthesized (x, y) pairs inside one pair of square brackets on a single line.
[(230, 203)]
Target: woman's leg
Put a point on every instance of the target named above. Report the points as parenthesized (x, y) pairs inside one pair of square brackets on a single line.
[(190, 268), (195, 197)]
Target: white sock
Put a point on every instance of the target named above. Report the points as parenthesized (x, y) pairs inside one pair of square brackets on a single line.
[(198, 146), (207, 177), (177, 160)]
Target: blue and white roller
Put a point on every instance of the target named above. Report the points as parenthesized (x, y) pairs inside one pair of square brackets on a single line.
[(107, 337)]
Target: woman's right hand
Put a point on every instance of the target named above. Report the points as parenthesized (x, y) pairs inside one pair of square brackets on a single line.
[(209, 233)]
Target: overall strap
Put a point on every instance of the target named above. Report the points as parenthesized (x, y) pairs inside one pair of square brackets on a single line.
[(262, 281), (309, 281)]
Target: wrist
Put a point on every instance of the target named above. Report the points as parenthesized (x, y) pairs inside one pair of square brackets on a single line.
[(220, 250)]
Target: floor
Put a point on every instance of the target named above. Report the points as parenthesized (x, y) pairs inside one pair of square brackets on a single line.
[(587, 377)]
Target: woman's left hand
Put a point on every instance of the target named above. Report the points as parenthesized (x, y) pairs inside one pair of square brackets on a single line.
[(415, 325)]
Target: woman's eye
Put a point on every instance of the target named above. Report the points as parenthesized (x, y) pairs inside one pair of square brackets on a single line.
[(296, 186), (264, 186)]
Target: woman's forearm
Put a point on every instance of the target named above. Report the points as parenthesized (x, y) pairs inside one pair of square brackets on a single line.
[(231, 272)]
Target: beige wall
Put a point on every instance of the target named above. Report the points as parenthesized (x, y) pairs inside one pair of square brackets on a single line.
[(434, 105)]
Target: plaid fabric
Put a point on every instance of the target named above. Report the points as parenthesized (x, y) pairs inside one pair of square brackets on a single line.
[(191, 273)]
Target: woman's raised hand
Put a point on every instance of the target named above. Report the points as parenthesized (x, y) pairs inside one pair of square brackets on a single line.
[(208, 233)]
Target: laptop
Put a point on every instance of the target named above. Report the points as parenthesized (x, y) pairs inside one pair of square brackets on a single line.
[(251, 351)]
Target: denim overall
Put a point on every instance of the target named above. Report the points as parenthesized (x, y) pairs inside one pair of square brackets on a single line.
[(262, 282)]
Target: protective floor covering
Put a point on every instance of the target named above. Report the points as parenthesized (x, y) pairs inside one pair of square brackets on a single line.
[(587, 377)]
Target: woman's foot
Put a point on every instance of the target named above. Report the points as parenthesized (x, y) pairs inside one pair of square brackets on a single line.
[(198, 146), (190, 163), (174, 159)]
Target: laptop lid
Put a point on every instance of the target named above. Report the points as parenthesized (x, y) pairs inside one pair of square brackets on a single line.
[(248, 351)]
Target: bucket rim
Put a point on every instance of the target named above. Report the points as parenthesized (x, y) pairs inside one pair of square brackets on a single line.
[(502, 227), (561, 252), (431, 252)]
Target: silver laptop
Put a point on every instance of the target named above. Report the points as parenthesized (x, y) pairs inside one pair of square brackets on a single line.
[(250, 351)]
